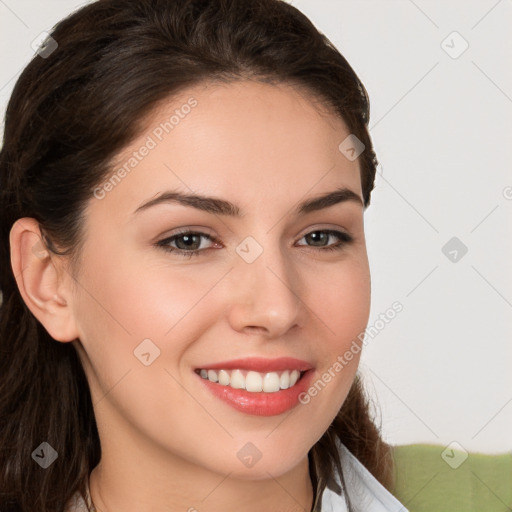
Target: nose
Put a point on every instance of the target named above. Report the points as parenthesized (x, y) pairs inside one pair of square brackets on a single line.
[(265, 295)]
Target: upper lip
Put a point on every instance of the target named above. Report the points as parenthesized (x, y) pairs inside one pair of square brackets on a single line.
[(260, 364)]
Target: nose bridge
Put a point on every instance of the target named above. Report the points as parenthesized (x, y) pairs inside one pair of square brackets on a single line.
[(267, 293)]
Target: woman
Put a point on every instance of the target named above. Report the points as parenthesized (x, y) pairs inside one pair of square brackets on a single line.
[(183, 266)]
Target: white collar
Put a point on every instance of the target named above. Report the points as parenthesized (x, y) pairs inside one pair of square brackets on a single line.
[(365, 492)]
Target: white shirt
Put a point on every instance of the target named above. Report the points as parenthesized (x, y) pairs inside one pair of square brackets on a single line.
[(365, 492)]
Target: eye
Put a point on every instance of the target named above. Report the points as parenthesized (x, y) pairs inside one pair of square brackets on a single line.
[(321, 237), (188, 243)]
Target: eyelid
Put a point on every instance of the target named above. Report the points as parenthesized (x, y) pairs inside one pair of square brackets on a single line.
[(324, 227), (331, 231)]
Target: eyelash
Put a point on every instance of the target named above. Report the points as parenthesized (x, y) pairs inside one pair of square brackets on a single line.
[(344, 238)]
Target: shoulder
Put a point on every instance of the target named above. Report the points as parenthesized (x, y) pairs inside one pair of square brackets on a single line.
[(364, 491)]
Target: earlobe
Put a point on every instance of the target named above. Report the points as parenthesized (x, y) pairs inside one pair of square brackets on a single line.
[(43, 284)]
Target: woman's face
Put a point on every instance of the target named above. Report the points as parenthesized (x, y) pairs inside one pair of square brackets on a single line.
[(262, 282)]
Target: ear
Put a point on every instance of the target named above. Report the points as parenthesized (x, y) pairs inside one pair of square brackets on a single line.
[(44, 283)]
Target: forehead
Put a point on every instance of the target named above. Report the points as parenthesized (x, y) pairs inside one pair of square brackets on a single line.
[(251, 142)]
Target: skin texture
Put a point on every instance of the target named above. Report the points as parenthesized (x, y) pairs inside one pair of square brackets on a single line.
[(167, 443)]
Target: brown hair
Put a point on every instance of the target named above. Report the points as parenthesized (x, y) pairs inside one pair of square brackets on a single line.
[(70, 113)]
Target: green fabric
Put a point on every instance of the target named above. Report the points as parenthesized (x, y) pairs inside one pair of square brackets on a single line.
[(425, 481)]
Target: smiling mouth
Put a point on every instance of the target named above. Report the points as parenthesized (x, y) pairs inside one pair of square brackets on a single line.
[(252, 381)]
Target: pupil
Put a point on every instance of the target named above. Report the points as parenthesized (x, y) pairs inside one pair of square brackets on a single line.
[(317, 236), (188, 240)]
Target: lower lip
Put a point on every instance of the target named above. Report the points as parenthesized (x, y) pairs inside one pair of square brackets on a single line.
[(260, 404)]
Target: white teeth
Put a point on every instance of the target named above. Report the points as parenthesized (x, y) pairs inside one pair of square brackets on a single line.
[(271, 382), (284, 381), (254, 382), (224, 378), (237, 379)]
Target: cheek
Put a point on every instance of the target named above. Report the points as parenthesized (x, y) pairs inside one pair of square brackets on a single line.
[(341, 301), (342, 304), (142, 298), (130, 300)]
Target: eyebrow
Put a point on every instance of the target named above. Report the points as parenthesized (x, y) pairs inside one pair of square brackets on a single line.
[(222, 207)]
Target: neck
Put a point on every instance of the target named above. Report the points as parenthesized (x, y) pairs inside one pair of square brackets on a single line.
[(223, 494), (142, 479)]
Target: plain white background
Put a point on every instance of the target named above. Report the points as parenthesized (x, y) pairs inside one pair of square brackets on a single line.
[(441, 122)]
